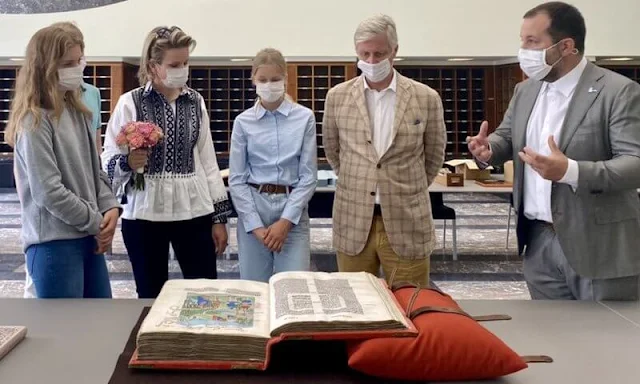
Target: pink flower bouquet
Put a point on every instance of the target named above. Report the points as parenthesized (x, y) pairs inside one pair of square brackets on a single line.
[(137, 135)]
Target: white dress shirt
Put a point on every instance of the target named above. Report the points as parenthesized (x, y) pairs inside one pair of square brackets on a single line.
[(546, 120), (381, 106)]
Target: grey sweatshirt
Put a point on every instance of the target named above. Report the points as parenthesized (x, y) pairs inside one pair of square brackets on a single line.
[(62, 189)]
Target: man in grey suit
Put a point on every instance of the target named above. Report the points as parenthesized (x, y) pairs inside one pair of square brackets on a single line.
[(573, 131)]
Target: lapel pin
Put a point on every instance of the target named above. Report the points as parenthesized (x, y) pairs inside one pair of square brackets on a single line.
[(592, 90)]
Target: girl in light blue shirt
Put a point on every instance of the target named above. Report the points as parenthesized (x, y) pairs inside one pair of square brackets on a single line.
[(272, 175)]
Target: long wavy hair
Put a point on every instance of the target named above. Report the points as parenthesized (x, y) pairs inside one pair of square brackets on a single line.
[(36, 89)]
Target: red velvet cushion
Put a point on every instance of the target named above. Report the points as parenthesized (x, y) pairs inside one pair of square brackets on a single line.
[(450, 346)]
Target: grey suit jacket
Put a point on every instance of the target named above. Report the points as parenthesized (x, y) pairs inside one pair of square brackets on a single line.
[(598, 225)]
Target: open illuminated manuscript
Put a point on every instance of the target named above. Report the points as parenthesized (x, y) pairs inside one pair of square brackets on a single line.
[(200, 321)]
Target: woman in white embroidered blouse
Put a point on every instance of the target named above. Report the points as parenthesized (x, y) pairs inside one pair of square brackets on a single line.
[(184, 201)]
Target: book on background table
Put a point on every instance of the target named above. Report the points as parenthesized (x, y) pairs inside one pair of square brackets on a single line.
[(494, 183), (10, 336), (231, 324)]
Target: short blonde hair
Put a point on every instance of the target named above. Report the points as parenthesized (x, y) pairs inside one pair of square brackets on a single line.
[(375, 25), (269, 56), (156, 44)]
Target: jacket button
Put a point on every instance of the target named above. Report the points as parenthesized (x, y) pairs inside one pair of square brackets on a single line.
[(379, 166), (368, 141), (373, 193)]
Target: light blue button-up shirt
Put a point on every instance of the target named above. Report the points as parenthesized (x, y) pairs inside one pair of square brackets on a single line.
[(273, 147), (91, 98)]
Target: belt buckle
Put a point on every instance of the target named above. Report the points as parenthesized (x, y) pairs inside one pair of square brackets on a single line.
[(269, 189)]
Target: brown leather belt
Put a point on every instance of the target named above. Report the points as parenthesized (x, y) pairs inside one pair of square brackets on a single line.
[(272, 188)]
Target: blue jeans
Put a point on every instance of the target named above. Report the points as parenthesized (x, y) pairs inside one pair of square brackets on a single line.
[(68, 269), (257, 262)]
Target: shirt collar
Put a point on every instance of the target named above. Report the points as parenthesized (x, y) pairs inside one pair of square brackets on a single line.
[(148, 89), (392, 86), (284, 108), (567, 83)]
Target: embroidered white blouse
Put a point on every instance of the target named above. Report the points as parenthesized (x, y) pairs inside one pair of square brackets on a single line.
[(182, 178)]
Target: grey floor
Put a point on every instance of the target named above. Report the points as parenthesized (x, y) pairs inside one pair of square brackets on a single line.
[(487, 267)]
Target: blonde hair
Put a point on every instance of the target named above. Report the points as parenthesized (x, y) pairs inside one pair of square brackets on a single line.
[(270, 56), (36, 86), (156, 44), (375, 25)]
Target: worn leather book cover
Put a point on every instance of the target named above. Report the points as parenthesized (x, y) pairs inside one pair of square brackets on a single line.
[(10, 336)]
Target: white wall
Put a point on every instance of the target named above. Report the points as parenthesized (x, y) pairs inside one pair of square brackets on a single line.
[(324, 28)]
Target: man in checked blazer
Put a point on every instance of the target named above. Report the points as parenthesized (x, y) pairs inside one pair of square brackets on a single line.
[(573, 131), (384, 135)]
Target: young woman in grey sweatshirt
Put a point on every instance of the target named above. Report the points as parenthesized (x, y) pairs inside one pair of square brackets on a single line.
[(69, 213)]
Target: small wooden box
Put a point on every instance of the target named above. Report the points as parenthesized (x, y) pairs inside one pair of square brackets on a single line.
[(469, 169), (450, 179)]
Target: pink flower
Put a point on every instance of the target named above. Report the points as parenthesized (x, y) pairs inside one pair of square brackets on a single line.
[(155, 136), (121, 139), (136, 141), (145, 129), (139, 134)]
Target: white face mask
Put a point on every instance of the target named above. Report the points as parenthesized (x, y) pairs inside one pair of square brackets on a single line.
[(270, 91), (71, 78), (375, 72), (533, 62), (176, 77)]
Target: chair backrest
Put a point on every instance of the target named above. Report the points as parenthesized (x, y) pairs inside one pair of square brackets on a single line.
[(436, 199)]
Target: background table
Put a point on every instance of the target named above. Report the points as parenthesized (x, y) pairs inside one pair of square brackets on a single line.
[(327, 181), (78, 341)]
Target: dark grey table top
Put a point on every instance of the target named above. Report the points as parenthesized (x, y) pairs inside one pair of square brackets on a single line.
[(628, 310), (78, 341)]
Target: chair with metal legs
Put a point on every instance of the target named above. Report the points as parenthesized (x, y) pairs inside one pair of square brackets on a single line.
[(439, 211), (509, 219)]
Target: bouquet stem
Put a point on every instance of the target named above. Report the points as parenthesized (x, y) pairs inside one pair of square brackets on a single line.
[(138, 179), (139, 135)]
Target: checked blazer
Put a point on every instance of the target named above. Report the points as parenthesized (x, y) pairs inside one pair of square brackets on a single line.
[(403, 173)]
